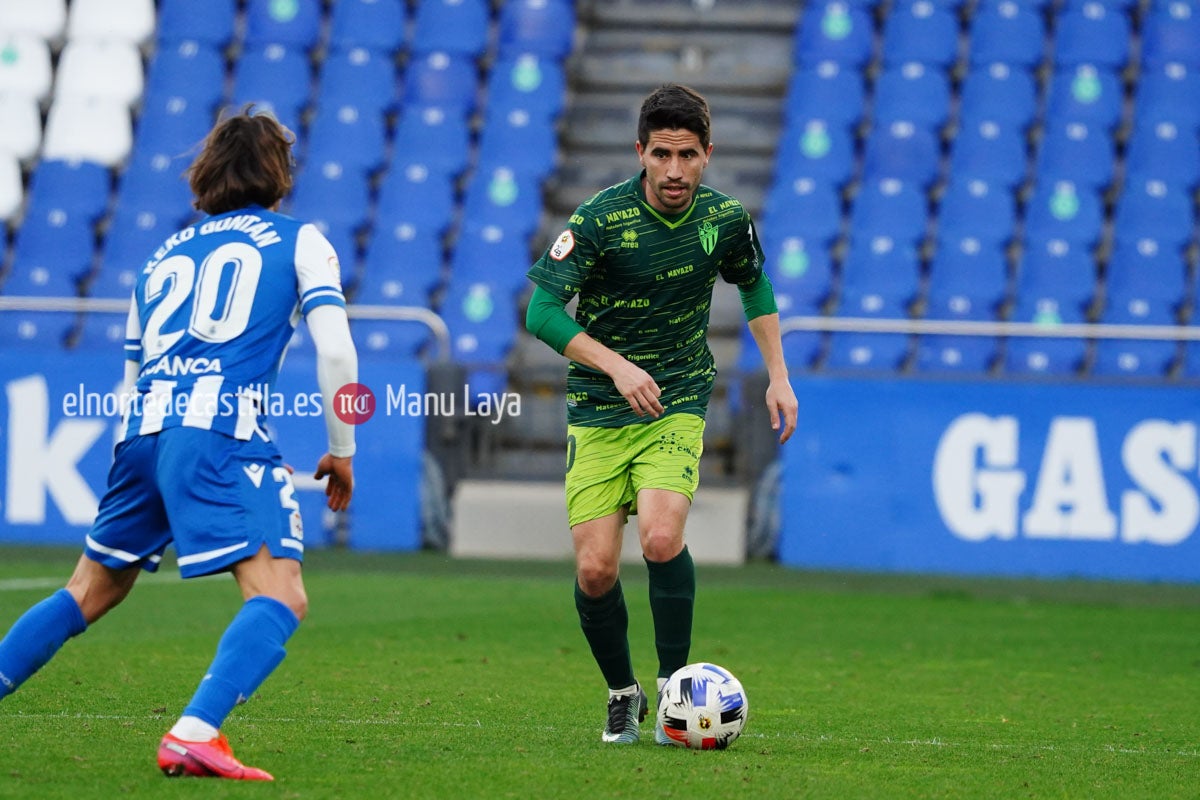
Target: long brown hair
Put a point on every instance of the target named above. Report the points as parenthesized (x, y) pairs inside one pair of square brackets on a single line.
[(246, 160)]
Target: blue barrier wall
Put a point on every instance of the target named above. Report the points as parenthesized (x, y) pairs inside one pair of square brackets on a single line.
[(1017, 479), (55, 459)]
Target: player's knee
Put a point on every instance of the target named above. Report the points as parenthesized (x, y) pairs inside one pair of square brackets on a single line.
[(298, 603), (596, 577), (661, 543)]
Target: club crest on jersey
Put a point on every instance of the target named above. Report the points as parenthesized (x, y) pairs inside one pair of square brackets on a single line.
[(708, 236), (563, 246)]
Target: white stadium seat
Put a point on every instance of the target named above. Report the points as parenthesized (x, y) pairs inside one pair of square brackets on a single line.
[(129, 21), (44, 18), (88, 129), (111, 70), (21, 133), (25, 68)]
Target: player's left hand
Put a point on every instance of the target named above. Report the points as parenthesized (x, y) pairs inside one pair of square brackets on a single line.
[(783, 407), (340, 486)]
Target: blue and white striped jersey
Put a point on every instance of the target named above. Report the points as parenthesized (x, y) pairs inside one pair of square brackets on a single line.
[(213, 311)]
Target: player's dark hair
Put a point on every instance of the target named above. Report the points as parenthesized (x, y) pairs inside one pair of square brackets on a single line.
[(245, 160), (673, 106)]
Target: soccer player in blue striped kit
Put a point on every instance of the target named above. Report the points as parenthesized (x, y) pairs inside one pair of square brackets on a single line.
[(212, 313)]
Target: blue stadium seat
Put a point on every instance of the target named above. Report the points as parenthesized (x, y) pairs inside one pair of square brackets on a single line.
[(1092, 33), (489, 254), (801, 273), (276, 78), (1057, 270), (1163, 151), (912, 92), (134, 233), (1006, 32), (156, 179), (179, 21), (190, 69), (400, 253), (1086, 94), (879, 278), (1038, 355), (172, 123), (1147, 279), (435, 137), (80, 188), (1134, 358), (903, 151), (34, 331), (412, 194), (52, 252), (834, 31), (1062, 210), (377, 25), (451, 26), (505, 199), (528, 82), (999, 93), (1151, 209), (800, 349), (870, 352), (921, 31), (826, 90), (523, 142), (1171, 34), (889, 208), (544, 27), (393, 338), (818, 150), (953, 352), (1167, 93), (328, 191), (442, 79), (483, 327), (972, 208), (1076, 152), (354, 137), (803, 208), (361, 77), (101, 333), (990, 151), (295, 24), (966, 281)]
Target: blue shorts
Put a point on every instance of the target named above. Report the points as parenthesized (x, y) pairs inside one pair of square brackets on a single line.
[(218, 498)]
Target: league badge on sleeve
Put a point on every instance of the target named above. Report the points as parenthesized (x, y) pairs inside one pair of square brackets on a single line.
[(563, 246)]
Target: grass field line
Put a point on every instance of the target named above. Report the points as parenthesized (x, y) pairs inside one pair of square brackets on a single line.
[(798, 737), (29, 584)]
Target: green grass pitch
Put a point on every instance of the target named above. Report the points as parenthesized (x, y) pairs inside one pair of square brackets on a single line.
[(420, 677)]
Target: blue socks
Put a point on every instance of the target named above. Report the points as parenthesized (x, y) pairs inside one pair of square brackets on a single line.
[(36, 637), (248, 652)]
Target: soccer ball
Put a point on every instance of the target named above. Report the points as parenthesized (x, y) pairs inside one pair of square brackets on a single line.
[(703, 707)]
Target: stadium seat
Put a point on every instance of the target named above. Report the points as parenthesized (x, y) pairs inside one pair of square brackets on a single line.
[(171, 123), (1045, 355), (872, 352), (434, 137), (957, 301), (51, 253), (11, 191), (483, 327), (328, 191), (189, 69), (88, 129), (1092, 33), (1077, 152), (107, 70), (990, 151), (25, 69), (156, 180), (921, 31), (21, 133), (458, 27), (354, 137), (1171, 34), (834, 31), (360, 77), (1134, 358), (1167, 94), (492, 255), (400, 253), (828, 91), (803, 208), (971, 208), (410, 193), (178, 22), (295, 24), (275, 78), (500, 197), (966, 279), (528, 82), (375, 25), (999, 93), (1163, 151), (46, 19), (1062, 210), (444, 79), (80, 188), (1057, 270), (817, 150), (130, 21), (1086, 94), (544, 27), (801, 349), (889, 208), (802, 275), (904, 151), (1145, 285), (1006, 32), (1151, 209), (101, 333), (393, 338), (912, 92), (34, 331), (880, 278), (397, 288), (525, 143)]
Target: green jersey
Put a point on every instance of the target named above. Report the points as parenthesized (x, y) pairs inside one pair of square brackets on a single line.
[(645, 284)]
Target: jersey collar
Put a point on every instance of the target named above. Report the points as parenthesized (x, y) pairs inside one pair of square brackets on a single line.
[(670, 220)]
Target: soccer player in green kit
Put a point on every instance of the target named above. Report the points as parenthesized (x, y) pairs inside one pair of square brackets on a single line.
[(643, 257)]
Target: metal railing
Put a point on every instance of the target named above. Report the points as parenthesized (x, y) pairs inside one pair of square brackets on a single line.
[(985, 328)]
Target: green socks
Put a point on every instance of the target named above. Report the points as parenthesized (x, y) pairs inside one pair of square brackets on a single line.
[(605, 623), (672, 597)]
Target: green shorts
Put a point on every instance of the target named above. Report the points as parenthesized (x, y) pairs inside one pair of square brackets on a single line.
[(606, 467)]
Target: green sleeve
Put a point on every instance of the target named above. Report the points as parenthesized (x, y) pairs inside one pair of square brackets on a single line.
[(547, 320), (758, 298)]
